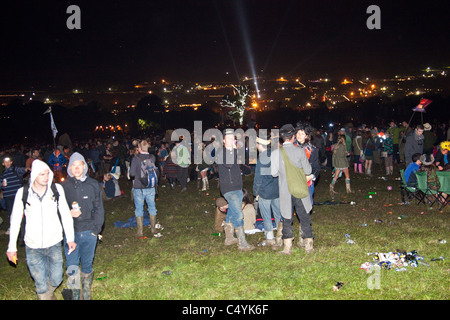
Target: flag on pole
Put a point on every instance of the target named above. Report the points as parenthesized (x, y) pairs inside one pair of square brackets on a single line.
[(53, 126), (422, 105)]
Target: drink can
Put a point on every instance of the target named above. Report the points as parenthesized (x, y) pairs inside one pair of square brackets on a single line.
[(75, 206)]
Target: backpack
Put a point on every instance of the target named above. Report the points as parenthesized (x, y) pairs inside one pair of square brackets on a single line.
[(149, 173), (25, 196)]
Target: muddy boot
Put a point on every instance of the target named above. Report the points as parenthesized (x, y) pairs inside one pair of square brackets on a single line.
[(347, 186), (207, 183), (203, 184), (309, 245), (270, 240), (140, 226), (278, 240), (243, 245), (153, 224), (49, 295), (218, 220), (287, 246), (332, 192), (230, 239), (86, 282)]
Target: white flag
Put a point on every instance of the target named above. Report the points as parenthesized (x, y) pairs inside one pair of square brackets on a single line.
[(52, 124)]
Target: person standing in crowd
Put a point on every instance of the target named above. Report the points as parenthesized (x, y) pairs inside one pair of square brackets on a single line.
[(11, 180), (43, 230), (230, 181), (142, 193), (84, 195), (266, 192), (388, 149), (303, 140), (358, 151), (288, 202), (429, 140), (181, 156), (404, 131), (340, 164), (394, 132), (57, 162), (414, 143), (369, 147), (329, 142), (33, 156)]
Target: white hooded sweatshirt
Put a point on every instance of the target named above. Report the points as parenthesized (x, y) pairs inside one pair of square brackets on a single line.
[(43, 227)]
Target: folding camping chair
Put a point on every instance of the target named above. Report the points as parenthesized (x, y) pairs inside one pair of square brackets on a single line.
[(444, 180), (410, 192), (427, 195)]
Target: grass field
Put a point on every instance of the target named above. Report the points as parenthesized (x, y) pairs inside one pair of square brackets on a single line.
[(202, 268)]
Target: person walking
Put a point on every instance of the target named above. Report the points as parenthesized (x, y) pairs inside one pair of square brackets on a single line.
[(288, 202), (340, 164), (11, 180), (43, 229), (84, 196)]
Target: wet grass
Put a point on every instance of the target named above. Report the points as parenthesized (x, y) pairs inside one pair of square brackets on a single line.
[(202, 268)]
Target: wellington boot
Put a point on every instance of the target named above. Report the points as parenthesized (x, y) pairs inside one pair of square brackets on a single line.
[(243, 245), (347, 188), (287, 246), (203, 184), (309, 245), (230, 239), (73, 283), (278, 240), (360, 169), (86, 282), (219, 220), (153, 224), (332, 192), (207, 183), (270, 240), (140, 226)]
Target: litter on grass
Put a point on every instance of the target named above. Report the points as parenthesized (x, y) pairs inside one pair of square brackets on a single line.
[(398, 260)]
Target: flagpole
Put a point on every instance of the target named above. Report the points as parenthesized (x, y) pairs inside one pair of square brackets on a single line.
[(52, 126)]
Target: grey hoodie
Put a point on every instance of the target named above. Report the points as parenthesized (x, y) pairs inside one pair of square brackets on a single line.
[(88, 193)]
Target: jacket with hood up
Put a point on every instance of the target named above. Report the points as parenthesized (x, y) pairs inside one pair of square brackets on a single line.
[(88, 193), (43, 227)]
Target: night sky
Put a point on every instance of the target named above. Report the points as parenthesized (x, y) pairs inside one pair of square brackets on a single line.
[(128, 42)]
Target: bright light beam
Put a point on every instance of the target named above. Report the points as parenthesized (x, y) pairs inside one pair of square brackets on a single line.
[(247, 44)]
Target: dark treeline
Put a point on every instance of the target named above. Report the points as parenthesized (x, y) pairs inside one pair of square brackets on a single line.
[(25, 122)]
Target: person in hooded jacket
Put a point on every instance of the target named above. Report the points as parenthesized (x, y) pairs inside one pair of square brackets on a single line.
[(43, 230), (84, 196)]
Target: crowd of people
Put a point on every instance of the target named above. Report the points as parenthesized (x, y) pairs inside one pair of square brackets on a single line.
[(72, 181)]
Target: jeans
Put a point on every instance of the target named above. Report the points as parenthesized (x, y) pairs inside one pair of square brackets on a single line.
[(311, 192), (265, 206), (234, 213), (84, 253), (305, 221), (46, 266), (142, 196)]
